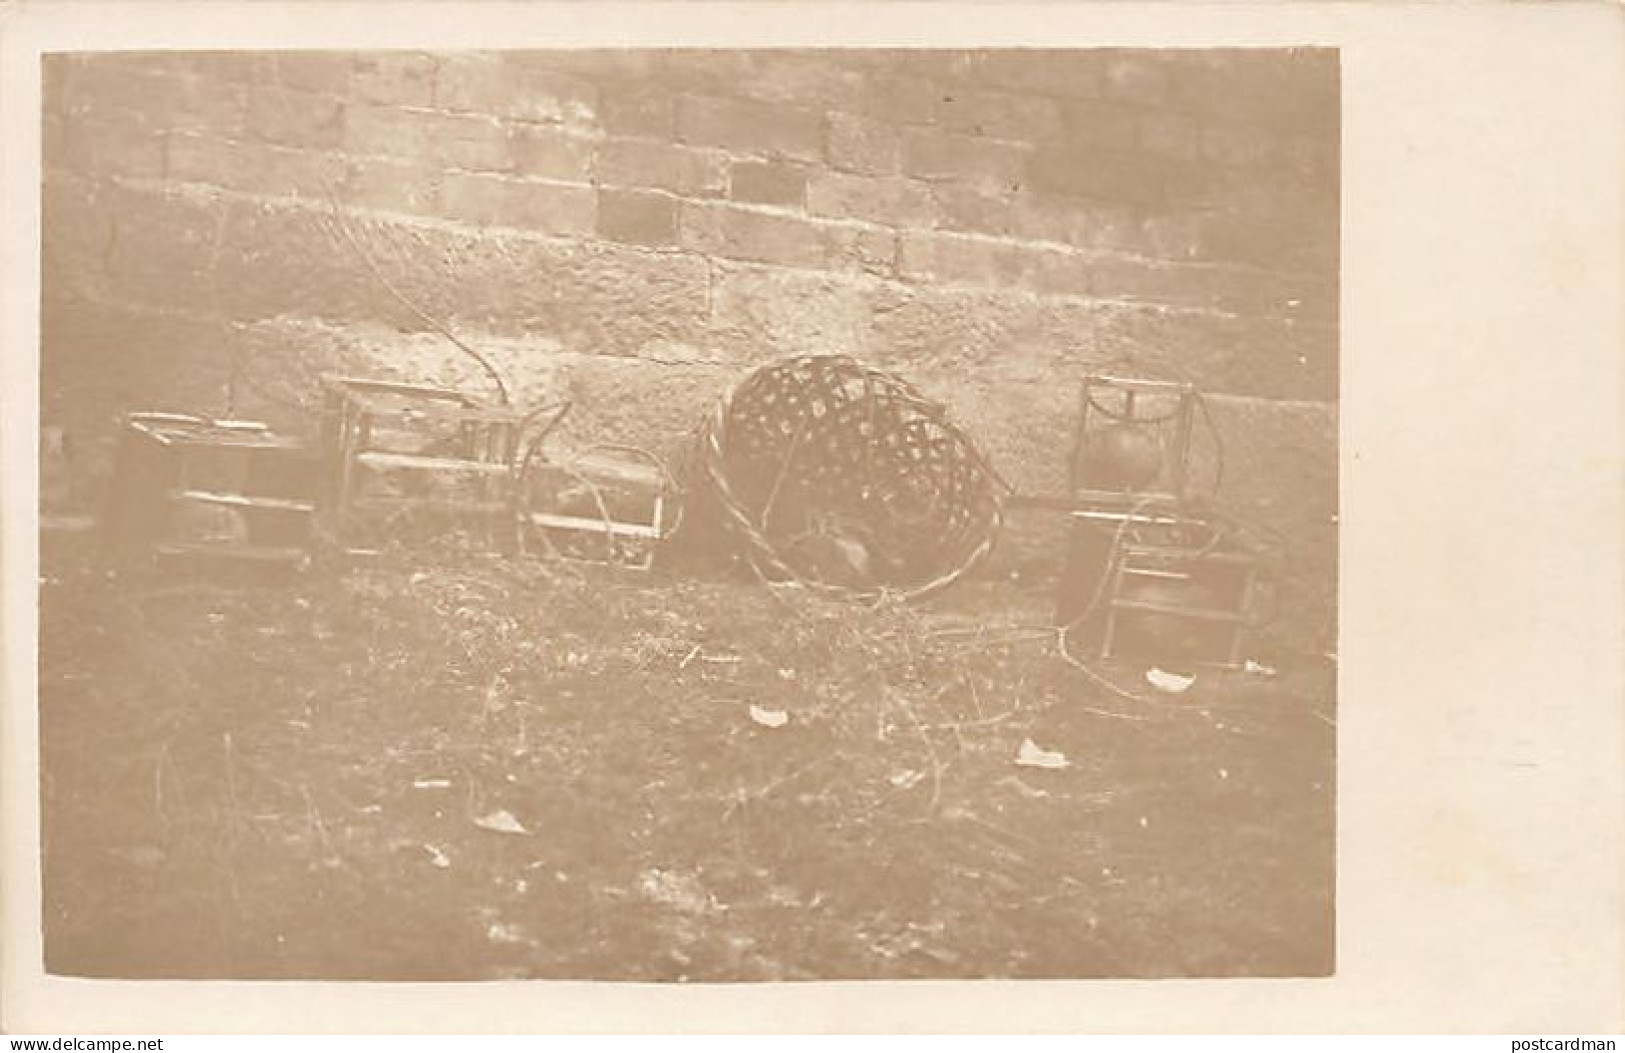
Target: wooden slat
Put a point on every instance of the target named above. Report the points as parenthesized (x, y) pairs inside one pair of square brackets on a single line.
[(422, 463), (1132, 384), (280, 504), (594, 526), (395, 387), (599, 466), (1148, 572), (362, 502), (256, 553), (1202, 613), (179, 433), (1119, 517), (1189, 555)]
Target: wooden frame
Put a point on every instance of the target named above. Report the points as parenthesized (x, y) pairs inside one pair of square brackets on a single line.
[(1135, 394), (354, 410), (635, 475), (1181, 562), (159, 468)]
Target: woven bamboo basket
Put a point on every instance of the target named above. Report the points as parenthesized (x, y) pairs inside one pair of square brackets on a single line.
[(827, 473)]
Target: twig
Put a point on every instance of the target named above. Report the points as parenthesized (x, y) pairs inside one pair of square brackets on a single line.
[(778, 480), (743, 796), (405, 301), (1081, 666), (976, 699), (981, 722), (937, 766), (1111, 713), (343, 226)]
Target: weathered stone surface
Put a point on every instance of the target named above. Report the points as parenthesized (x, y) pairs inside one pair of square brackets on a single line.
[(494, 200), (396, 78), (638, 217), (750, 126), (995, 223), (102, 362), (513, 85), (471, 142), (261, 168), (543, 151), (768, 183), (998, 263), (682, 170), (934, 155), (754, 236), (296, 118), (971, 209), (638, 110), (759, 315), (886, 200), (862, 145), (1000, 114), (393, 186)]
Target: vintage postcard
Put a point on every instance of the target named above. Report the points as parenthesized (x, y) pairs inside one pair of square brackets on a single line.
[(777, 500)]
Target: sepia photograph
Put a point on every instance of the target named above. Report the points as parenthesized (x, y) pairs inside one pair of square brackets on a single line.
[(677, 515)]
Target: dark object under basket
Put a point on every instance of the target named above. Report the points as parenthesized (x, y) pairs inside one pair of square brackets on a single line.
[(828, 473)]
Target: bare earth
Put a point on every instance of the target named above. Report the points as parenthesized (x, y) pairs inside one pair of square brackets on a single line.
[(463, 768)]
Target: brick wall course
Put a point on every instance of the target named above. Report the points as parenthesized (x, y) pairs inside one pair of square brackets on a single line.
[(637, 217), (393, 78), (637, 109), (495, 200), (750, 126), (973, 209), (774, 237), (508, 85), (1002, 219), (863, 145), (881, 200), (933, 155), (296, 118), (458, 141), (551, 153), (651, 164), (768, 183)]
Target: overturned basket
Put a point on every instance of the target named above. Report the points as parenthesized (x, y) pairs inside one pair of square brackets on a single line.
[(825, 472)]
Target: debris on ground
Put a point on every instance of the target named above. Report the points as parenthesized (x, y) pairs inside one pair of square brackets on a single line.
[(680, 841), (769, 718), (1031, 756), (502, 822), (1171, 683)]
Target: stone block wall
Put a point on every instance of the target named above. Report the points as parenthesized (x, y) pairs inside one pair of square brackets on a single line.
[(636, 228)]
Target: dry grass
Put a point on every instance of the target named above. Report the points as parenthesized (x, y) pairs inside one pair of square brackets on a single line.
[(282, 779)]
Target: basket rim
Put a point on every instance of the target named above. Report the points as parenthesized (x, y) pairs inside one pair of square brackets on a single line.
[(760, 551)]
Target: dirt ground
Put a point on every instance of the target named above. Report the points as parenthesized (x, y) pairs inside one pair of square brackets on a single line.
[(449, 766)]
